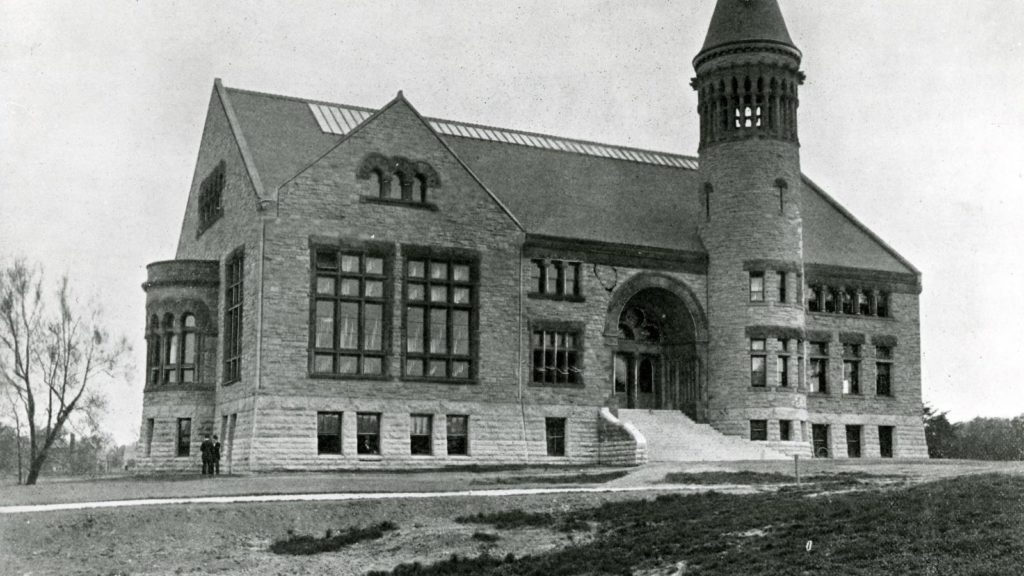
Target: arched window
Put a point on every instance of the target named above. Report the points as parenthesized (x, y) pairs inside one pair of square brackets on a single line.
[(384, 183), (153, 353), (171, 351), (188, 349)]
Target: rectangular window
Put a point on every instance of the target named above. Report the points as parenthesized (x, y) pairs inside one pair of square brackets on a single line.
[(350, 312), (785, 430), (367, 433), (863, 304), (819, 440), (782, 286), (851, 369), (883, 379), (885, 435), (556, 357), (882, 305), (211, 206), (421, 430), (759, 430), (328, 433), (819, 367), (438, 318), (150, 425), (757, 286), (458, 435), (830, 305), (554, 429), (758, 373), (782, 364), (184, 442), (233, 295), (853, 441)]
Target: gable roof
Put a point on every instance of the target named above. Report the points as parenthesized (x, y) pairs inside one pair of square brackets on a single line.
[(553, 186)]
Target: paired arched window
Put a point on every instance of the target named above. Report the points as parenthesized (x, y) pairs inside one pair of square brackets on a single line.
[(172, 349), (399, 179)]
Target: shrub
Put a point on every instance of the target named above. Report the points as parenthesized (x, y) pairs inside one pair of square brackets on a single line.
[(307, 545)]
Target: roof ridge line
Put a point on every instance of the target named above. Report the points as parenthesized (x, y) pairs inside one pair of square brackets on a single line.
[(473, 124)]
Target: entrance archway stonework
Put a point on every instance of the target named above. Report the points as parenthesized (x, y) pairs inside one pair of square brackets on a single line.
[(678, 380)]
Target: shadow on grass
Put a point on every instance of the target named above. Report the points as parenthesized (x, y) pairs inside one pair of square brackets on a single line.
[(516, 519), (969, 526), (308, 545), (755, 478)]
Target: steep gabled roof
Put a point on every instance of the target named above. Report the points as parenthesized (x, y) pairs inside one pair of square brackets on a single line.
[(554, 186)]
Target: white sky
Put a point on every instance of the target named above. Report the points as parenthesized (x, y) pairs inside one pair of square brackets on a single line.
[(911, 117)]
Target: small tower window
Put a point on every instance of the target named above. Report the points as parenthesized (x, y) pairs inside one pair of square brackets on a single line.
[(781, 187), (708, 189)]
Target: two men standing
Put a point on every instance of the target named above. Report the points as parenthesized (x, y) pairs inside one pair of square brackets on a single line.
[(211, 455)]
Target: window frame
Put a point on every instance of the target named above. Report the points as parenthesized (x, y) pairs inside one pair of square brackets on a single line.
[(415, 450), (891, 452), (150, 430), (816, 356), (851, 370), (758, 430), (785, 431), (884, 357), (782, 357), (320, 450), (759, 379), (376, 448), (363, 251), (234, 315), (183, 450), (451, 257), (210, 208), (558, 328), (556, 444), (783, 292), (756, 296), (854, 449), (448, 419)]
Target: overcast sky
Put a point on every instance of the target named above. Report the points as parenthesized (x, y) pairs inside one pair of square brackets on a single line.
[(911, 117)]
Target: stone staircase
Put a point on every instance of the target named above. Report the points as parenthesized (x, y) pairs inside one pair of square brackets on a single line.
[(673, 437)]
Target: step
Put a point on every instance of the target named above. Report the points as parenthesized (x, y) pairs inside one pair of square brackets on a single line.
[(672, 436)]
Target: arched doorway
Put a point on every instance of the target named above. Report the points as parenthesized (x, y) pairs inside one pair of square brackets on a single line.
[(656, 356)]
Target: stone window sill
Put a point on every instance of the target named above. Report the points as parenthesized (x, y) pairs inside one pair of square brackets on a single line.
[(399, 202)]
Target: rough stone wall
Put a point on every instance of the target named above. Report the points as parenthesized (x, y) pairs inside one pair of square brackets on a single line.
[(902, 409), (165, 408)]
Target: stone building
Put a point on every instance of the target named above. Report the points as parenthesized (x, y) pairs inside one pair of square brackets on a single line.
[(372, 288)]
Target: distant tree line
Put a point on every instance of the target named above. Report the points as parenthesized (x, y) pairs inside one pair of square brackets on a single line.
[(70, 455), (978, 439)]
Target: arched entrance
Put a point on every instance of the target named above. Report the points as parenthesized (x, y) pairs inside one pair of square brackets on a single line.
[(658, 343)]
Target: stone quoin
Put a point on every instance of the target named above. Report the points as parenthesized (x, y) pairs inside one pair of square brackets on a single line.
[(370, 288)]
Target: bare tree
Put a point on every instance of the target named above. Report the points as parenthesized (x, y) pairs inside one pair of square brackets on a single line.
[(53, 356)]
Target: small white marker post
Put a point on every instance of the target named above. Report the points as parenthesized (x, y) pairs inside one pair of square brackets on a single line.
[(796, 467)]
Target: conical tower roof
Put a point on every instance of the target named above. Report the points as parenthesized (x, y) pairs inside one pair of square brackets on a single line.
[(747, 21)]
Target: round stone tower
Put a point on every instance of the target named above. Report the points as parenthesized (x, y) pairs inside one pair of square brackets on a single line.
[(747, 79)]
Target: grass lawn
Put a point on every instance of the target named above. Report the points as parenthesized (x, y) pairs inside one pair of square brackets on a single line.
[(968, 525)]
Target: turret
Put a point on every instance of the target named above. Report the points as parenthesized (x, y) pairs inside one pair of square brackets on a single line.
[(747, 79)]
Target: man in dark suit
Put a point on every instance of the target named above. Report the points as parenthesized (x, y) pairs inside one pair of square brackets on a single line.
[(216, 455), (207, 449)]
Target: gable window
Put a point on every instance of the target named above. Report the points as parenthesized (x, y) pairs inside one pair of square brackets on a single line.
[(350, 311), (782, 277), (853, 434), (439, 315), (883, 371), (399, 180), (849, 298), (782, 364), (758, 373), (830, 305), (851, 369), (863, 304), (554, 432), (184, 441), (757, 286), (882, 305), (235, 269), (555, 279), (211, 206), (785, 430), (367, 433), (556, 357), (458, 435), (328, 433), (819, 367), (420, 434), (759, 430)]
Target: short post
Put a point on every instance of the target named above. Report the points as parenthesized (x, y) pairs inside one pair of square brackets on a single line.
[(796, 467)]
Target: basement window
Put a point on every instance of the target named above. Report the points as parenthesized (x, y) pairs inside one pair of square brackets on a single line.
[(420, 434), (759, 430), (554, 431), (458, 435), (367, 433), (328, 433)]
